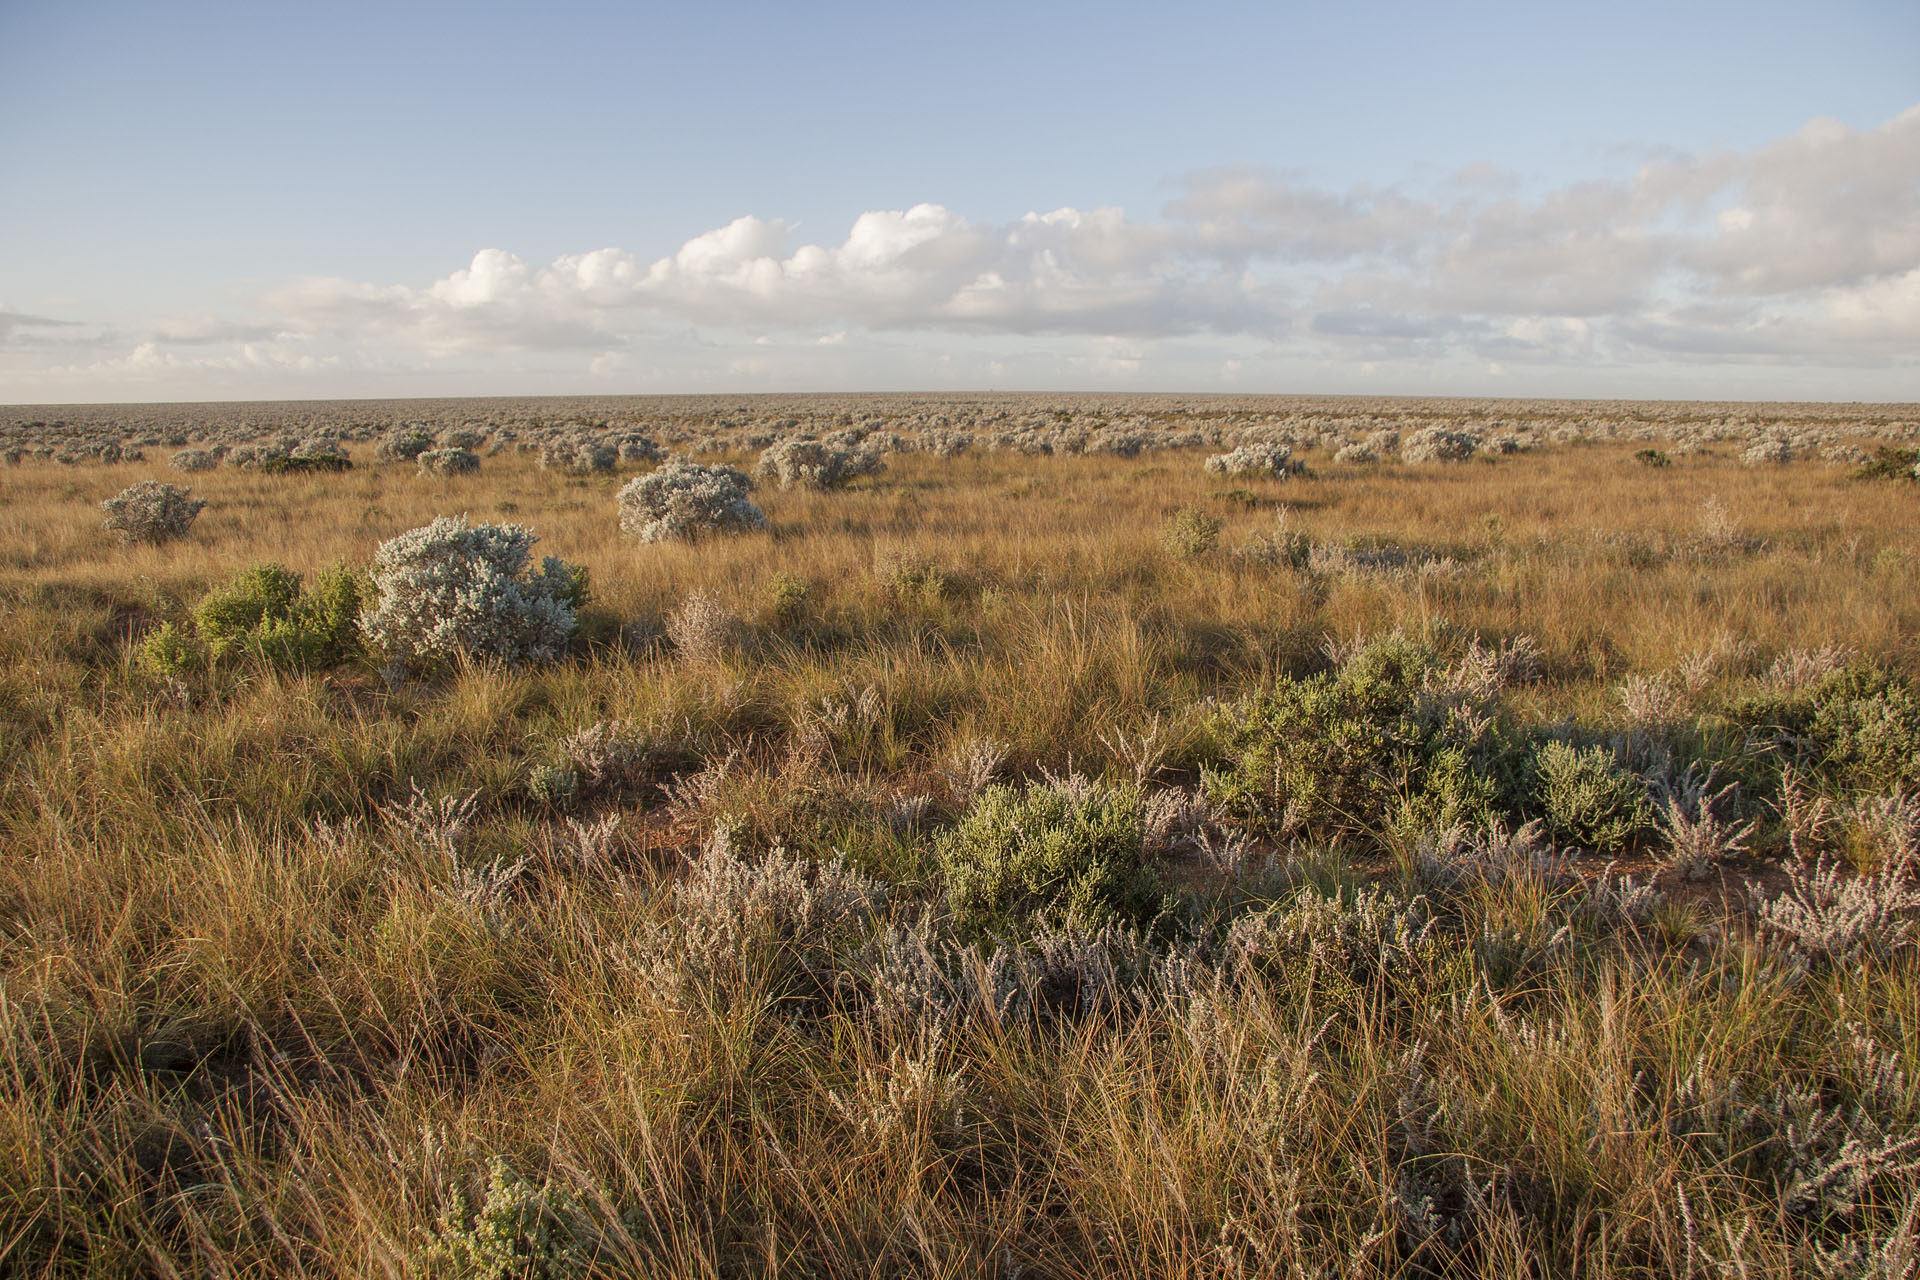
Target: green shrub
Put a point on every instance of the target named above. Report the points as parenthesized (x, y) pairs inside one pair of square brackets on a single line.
[(1370, 746), (1890, 463), (1190, 532), (1857, 729), (1057, 853), (1652, 458), (172, 651), (1585, 798), (265, 614)]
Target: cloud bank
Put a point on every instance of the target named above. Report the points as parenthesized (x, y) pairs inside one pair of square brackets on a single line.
[(1803, 254)]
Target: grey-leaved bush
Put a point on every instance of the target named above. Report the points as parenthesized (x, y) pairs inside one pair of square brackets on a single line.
[(448, 591), (685, 501), (816, 464), (151, 512)]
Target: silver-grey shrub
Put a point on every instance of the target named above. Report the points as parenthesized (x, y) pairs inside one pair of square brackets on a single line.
[(402, 444), (448, 591), (447, 462), (816, 464), (1275, 460), (191, 460), (1438, 444), (686, 501), (151, 512)]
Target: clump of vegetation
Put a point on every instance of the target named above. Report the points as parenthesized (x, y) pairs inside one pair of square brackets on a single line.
[(1061, 852), (1274, 461), (1393, 738), (578, 457), (151, 512), (1855, 729), (686, 501), (447, 592), (194, 460), (1439, 444), (1586, 798), (447, 462), (403, 444), (1652, 458), (1891, 463), (816, 464), (1189, 533), (268, 613)]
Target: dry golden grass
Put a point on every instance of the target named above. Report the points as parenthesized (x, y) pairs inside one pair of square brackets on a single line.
[(247, 1029)]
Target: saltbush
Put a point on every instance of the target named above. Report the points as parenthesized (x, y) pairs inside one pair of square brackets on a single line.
[(402, 444), (685, 501), (1392, 739), (1586, 799), (816, 464), (447, 462), (1438, 444), (1063, 852), (448, 591), (1856, 729), (151, 512), (1272, 460)]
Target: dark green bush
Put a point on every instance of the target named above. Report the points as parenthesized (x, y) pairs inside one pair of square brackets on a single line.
[(1890, 463), (1857, 729), (1586, 799), (1368, 747), (1652, 458), (1064, 853)]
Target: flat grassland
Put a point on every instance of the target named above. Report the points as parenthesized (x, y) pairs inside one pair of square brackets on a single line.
[(1003, 865)]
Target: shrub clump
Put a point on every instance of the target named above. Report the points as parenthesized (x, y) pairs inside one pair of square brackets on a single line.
[(686, 501), (1586, 799), (151, 512), (1890, 463), (1275, 460), (578, 457), (816, 464), (1438, 444), (448, 591), (1393, 738), (268, 614), (191, 460), (1767, 453), (402, 444), (447, 462), (1855, 729), (1190, 532), (1066, 852)]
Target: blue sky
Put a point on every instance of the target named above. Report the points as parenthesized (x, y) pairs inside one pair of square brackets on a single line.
[(210, 201)]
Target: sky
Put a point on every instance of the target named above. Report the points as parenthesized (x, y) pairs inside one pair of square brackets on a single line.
[(217, 201)]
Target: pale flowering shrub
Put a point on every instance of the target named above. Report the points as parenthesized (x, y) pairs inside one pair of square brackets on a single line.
[(1438, 444), (685, 501), (447, 462), (151, 512), (191, 460), (1767, 453), (402, 444), (816, 464), (1275, 460), (449, 591)]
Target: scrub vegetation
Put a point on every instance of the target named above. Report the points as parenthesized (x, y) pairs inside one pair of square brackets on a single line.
[(1044, 836)]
